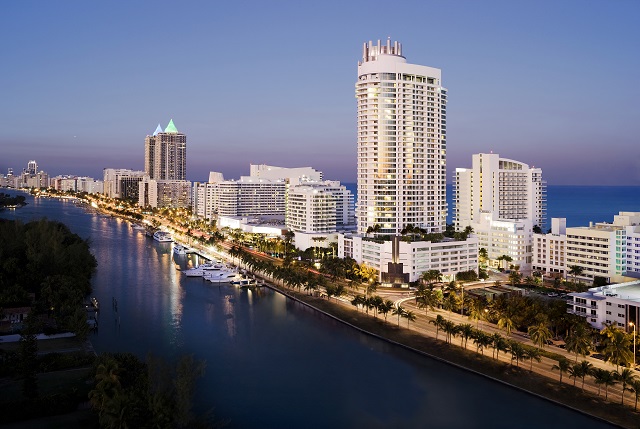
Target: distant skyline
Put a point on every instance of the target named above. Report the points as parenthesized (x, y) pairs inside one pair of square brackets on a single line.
[(551, 84)]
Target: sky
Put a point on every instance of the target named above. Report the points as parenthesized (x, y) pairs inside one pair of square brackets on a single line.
[(550, 83)]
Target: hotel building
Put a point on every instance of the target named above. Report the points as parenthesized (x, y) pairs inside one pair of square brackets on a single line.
[(508, 188), (121, 183), (401, 149), (549, 250)]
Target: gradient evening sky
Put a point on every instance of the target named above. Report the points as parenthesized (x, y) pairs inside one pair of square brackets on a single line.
[(550, 83)]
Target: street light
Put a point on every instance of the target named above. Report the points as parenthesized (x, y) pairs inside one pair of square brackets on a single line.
[(634, 344)]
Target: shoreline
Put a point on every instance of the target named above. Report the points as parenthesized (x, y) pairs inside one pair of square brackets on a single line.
[(424, 353)]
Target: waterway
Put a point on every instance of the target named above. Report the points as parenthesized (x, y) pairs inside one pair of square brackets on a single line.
[(271, 362)]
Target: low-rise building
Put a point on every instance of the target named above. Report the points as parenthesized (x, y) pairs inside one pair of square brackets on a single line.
[(549, 250), (606, 305), (401, 261), (504, 237)]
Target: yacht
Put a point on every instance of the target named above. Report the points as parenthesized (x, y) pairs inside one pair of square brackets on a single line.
[(220, 276), (163, 237), (179, 250), (194, 272)]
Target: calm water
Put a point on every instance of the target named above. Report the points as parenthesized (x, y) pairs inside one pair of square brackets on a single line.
[(272, 363)]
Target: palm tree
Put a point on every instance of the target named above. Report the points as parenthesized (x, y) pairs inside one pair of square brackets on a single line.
[(410, 316), (482, 341), (563, 366), (635, 388), (358, 300), (506, 322), (497, 341), (626, 377), (386, 307), (376, 302), (483, 255), (617, 345), (586, 368), (575, 371), (579, 340), (429, 300), (431, 277), (399, 311), (476, 310), (466, 331), (518, 351), (575, 271), (602, 376), (540, 334), (438, 323), (533, 353)]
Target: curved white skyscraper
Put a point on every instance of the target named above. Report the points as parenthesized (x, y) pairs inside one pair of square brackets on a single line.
[(401, 143)]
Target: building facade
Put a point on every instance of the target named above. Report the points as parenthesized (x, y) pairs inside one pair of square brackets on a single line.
[(549, 250), (164, 193), (504, 237), (510, 189), (401, 142), (114, 178), (165, 154), (616, 305)]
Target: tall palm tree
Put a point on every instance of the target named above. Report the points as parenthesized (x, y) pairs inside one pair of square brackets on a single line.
[(575, 271), (466, 331), (410, 316), (579, 340), (398, 311), (482, 341), (518, 351), (626, 377), (506, 322), (386, 307), (586, 368), (431, 277), (635, 388), (575, 371), (563, 366), (540, 334), (438, 323), (617, 345), (533, 353)]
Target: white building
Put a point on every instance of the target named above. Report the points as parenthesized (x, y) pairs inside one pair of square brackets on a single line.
[(164, 193), (605, 305), (508, 188), (292, 175), (315, 211), (120, 182), (402, 170), (89, 185), (408, 260), (504, 237), (549, 250), (608, 250), (401, 142)]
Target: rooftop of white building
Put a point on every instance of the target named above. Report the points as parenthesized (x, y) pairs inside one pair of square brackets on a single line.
[(629, 291)]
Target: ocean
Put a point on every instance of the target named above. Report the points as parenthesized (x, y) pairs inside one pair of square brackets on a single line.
[(578, 204)]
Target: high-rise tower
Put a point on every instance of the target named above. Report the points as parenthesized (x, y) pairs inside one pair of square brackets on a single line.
[(165, 154), (401, 143)]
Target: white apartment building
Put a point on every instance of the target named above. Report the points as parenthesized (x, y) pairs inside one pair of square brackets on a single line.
[(605, 305), (89, 185), (292, 175), (509, 188), (504, 237), (263, 193), (401, 142), (319, 207), (608, 250), (549, 250), (115, 178), (315, 211), (401, 128), (164, 193), (393, 258)]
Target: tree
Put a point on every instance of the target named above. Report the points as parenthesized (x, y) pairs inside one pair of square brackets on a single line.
[(410, 316), (579, 340), (483, 255), (386, 307), (28, 351), (635, 388), (626, 377), (575, 372), (540, 334), (617, 345), (399, 311), (518, 351), (482, 341), (187, 372), (466, 331), (429, 299), (586, 368), (431, 276), (563, 366), (575, 271), (533, 353), (438, 323), (505, 322)]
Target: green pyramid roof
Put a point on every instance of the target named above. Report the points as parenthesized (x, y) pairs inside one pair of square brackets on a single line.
[(171, 128)]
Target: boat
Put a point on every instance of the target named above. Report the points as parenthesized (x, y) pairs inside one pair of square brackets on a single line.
[(244, 283), (220, 276), (162, 237), (194, 272), (179, 250), (138, 227)]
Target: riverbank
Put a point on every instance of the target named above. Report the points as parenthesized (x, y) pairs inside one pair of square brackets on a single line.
[(516, 377)]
